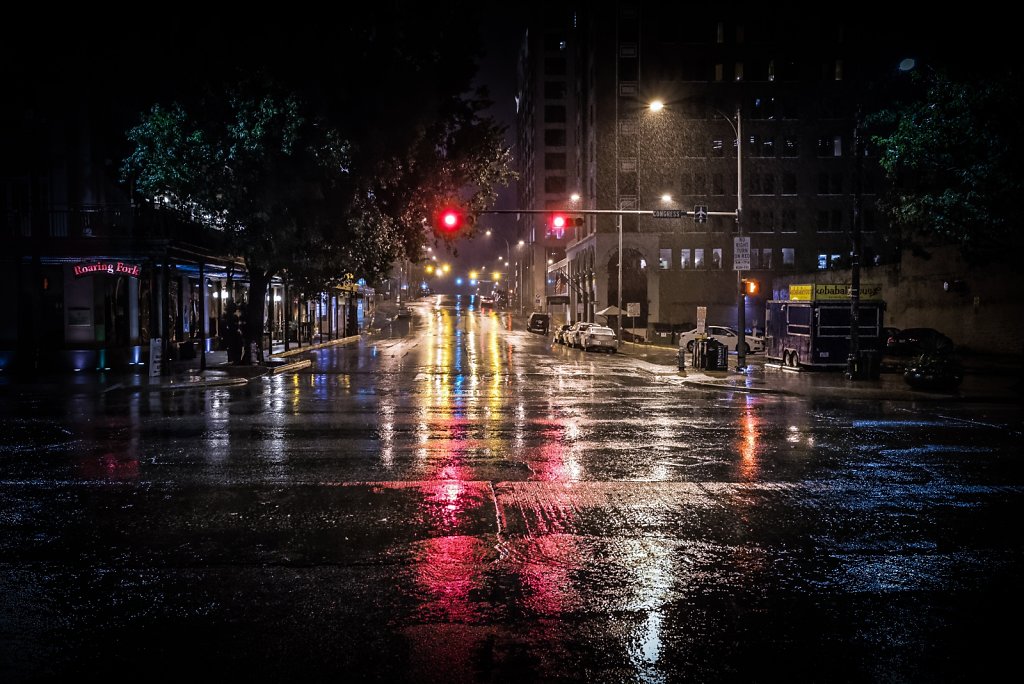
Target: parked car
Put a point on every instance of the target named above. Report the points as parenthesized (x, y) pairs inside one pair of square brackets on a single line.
[(404, 311), (539, 323), (934, 371), (727, 336), (598, 337), (917, 341), (572, 335), (560, 331)]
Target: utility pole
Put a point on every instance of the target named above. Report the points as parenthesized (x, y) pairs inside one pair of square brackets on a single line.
[(853, 363)]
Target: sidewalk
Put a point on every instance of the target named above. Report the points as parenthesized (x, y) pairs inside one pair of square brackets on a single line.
[(986, 379), (219, 372)]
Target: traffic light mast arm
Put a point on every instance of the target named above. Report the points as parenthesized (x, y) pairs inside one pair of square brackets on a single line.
[(614, 212)]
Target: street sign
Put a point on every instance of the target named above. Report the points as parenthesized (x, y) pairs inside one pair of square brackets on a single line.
[(633, 309), (156, 356), (668, 213), (700, 214), (741, 254), (702, 318)]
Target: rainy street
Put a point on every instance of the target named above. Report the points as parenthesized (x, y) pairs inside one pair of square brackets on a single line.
[(455, 499)]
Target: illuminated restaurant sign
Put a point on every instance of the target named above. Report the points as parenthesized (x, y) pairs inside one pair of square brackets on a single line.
[(108, 267)]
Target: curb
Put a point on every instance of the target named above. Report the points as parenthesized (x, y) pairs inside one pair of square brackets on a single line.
[(294, 365)]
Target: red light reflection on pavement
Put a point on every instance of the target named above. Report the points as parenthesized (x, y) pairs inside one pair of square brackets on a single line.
[(109, 466)]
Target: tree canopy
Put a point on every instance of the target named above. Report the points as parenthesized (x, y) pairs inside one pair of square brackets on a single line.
[(954, 154), (327, 152)]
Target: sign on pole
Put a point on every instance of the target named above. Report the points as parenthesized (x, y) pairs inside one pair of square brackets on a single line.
[(633, 309), (156, 356), (700, 213), (702, 318), (668, 213), (741, 254)]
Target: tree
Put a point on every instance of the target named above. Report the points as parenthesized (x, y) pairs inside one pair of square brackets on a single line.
[(326, 169), (251, 163), (954, 155)]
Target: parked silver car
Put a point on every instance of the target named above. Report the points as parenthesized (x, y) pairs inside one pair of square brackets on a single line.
[(598, 337), (572, 335)]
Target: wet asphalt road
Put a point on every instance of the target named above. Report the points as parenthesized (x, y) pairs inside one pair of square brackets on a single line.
[(452, 500)]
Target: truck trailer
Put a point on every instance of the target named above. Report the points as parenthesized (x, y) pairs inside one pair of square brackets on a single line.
[(811, 329)]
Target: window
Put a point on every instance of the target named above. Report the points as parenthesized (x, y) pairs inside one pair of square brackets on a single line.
[(836, 183), (762, 221), (830, 146), (738, 71), (827, 261), (788, 257), (761, 258), (717, 147), (762, 184), (554, 184), (693, 184), (788, 221), (791, 146), (693, 146), (719, 72), (768, 147), (664, 258), (554, 90), (789, 184), (554, 113), (698, 257), (684, 259), (554, 161), (822, 183), (554, 137), (717, 184), (716, 257), (554, 66)]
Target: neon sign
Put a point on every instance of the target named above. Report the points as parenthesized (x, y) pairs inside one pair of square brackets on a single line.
[(108, 267)]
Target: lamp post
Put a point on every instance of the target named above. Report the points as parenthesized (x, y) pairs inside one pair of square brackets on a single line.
[(618, 316), (741, 297)]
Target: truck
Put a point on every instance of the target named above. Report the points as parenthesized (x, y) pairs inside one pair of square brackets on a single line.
[(811, 329)]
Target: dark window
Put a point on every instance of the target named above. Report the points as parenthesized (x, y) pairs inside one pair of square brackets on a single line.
[(554, 184), (555, 137), (791, 146), (554, 161), (717, 184), (554, 114), (836, 184), (789, 184), (822, 183), (554, 66), (554, 90)]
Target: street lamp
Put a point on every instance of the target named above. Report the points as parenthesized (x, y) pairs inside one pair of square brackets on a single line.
[(741, 303)]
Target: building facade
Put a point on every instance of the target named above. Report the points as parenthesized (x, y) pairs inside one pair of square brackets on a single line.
[(758, 109)]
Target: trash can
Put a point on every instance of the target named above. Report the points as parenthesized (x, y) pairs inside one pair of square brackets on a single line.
[(716, 355), (867, 365)]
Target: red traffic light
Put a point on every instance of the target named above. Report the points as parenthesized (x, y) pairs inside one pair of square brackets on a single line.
[(451, 220), (559, 221)]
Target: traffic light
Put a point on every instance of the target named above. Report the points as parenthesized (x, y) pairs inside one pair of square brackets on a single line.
[(749, 287), (560, 221), (451, 220)]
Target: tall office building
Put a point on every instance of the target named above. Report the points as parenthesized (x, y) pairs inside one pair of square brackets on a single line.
[(763, 102)]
